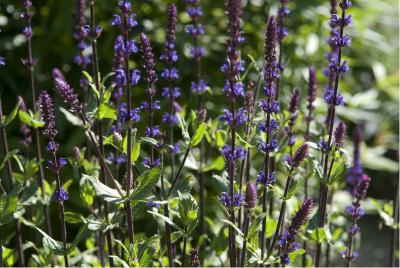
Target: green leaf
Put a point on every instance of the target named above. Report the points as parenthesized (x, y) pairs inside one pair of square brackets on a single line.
[(9, 257), (166, 219), (148, 251), (9, 118), (221, 183), (8, 156), (150, 141), (146, 182), (270, 227), (125, 141), (9, 204), (55, 246), (234, 227), (339, 170), (72, 217), (183, 185), (220, 136), (106, 111), (24, 117), (198, 135), (256, 223), (318, 169), (107, 193), (86, 192), (293, 255), (291, 190), (242, 142), (88, 76), (30, 120), (318, 235), (217, 164), (73, 119), (188, 211), (119, 262), (135, 151), (184, 128)]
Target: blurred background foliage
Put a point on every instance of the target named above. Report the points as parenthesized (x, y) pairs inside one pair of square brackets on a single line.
[(371, 89)]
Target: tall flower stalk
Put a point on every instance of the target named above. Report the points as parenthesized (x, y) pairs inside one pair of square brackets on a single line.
[(294, 163), (170, 73), (195, 29), (311, 97), (153, 131), (294, 112), (94, 31), (333, 98), (282, 32), (287, 242), (269, 106), (55, 164), (357, 185), (233, 89), (30, 63), (126, 78), (81, 59), (250, 203)]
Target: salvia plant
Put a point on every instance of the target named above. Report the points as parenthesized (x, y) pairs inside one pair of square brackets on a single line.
[(153, 183)]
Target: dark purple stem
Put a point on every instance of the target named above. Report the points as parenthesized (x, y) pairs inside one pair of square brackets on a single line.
[(30, 64), (323, 185), (100, 123)]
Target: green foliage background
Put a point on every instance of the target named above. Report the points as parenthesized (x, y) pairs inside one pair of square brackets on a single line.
[(371, 89)]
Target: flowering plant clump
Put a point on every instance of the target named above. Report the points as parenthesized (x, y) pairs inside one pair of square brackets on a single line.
[(169, 161)]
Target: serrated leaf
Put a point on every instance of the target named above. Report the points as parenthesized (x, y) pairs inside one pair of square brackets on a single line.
[(183, 185), (149, 251), (9, 204), (108, 194), (72, 217), (291, 189), (146, 182), (198, 135), (188, 211)]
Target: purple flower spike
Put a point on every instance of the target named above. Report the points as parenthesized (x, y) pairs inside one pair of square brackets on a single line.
[(148, 59), (340, 134), (47, 114), (66, 91), (299, 156), (287, 242), (251, 195)]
